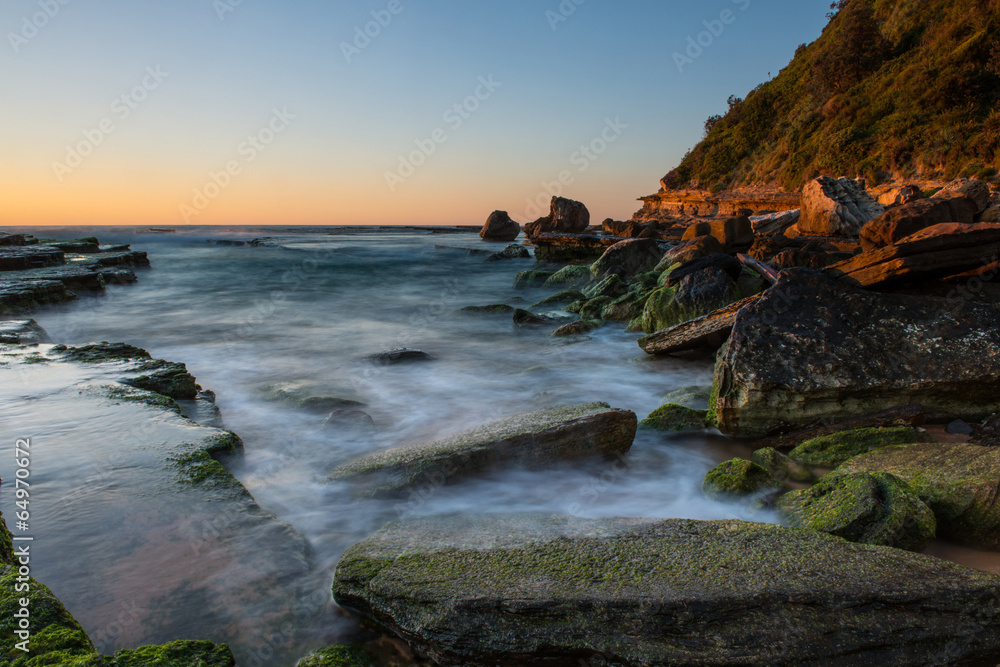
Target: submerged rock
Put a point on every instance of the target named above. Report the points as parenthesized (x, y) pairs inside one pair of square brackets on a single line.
[(166, 378), (495, 309), (525, 590), (533, 439), (811, 348), (735, 479), (22, 332), (578, 328), (870, 508), (524, 318), (533, 278), (829, 451), (512, 251), (957, 481), (561, 298), (674, 418), (398, 356)]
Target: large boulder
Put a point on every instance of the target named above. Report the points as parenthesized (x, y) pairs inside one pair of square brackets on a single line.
[(628, 258), (829, 451), (870, 508), (773, 224), (533, 439), (896, 224), (901, 195), (978, 192), (811, 349), (499, 227), (539, 590), (566, 216), (736, 479), (731, 232), (720, 261), (689, 250), (836, 207), (697, 294), (957, 481)]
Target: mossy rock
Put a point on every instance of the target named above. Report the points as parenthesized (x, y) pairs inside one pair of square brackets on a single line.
[(128, 394), (564, 297), (635, 325), (781, 467), (592, 309), (354, 655), (674, 418), (646, 281), (493, 309), (868, 508), (736, 479), (177, 654), (533, 278), (749, 283), (829, 451), (577, 328), (101, 352), (569, 275), (612, 286), (694, 397), (168, 379), (576, 306), (662, 311), (625, 308), (6, 543)]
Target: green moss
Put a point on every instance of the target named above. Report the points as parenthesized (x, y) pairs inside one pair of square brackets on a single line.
[(592, 309), (200, 469), (6, 543), (570, 275), (168, 379), (101, 352), (177, 654), (612, 287), (674, 418), (578, 328), (662, 311), (829, 451), (564, 297), (646, 281), (625, 308), (354, 655), (695, 397), (736, 479), (533, 278), (223, 443), (127, 394), (868, 508)]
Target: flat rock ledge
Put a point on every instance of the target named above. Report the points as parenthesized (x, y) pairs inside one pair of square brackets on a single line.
[(531, 589), (530, 440)]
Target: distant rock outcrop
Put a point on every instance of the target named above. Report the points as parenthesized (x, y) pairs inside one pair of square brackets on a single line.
[(499, 227), (566, 216)]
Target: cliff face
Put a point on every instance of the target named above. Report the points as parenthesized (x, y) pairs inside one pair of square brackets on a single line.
[(700, 203), (892, 90)]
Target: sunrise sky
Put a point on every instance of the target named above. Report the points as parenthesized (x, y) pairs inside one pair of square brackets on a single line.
[(264, 112)]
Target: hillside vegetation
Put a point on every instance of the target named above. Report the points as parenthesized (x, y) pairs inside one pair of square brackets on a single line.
[(892, 89)]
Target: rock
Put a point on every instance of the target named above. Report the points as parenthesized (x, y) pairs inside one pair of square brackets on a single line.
[(936, 252), (959, 427), (324, 405), (809, 259), (688, 251), (167, 379), (22, 332), (634, 257), (901, 195), (694, 397), (987, 434), (569, 275), (868, 508), (96, 353), (774, 224), (533, 278), (523, 318), (512, 251), (992, 214), (560, 298), (782, 468), (499, 227), (354, 655), (531, 440), (612, 286), (625, 308), (829, 451), (957, 481), (398, 356), (718, 261), (349, 418), (674, 418), (978, 192), (566, 216), (736, 479), (84, 246), (896, 224), (708, 331), (23, 296), (836, 207), (194, 653), (21, 258), (731, 232), (557, 247), (811, 348), (592, 309), (698, 294), (495, 309), (530, 589), (578, 328), (625, 230)]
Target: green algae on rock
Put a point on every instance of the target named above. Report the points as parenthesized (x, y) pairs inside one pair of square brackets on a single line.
[(829, 451), (569, 275), (674, 418), (782, 468), (353, 655), (735, 479), (176, 654), (577, 328), (533, 278), (530, 589), (870, 508), (957, 481), (532, 439)]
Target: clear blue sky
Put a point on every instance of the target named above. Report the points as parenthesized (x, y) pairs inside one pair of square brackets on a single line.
[(225, 67)]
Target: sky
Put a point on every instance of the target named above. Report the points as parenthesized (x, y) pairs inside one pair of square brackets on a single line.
[(320, 112)]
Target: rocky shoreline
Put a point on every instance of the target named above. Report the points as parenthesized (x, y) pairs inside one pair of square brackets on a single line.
[(828, 377)]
